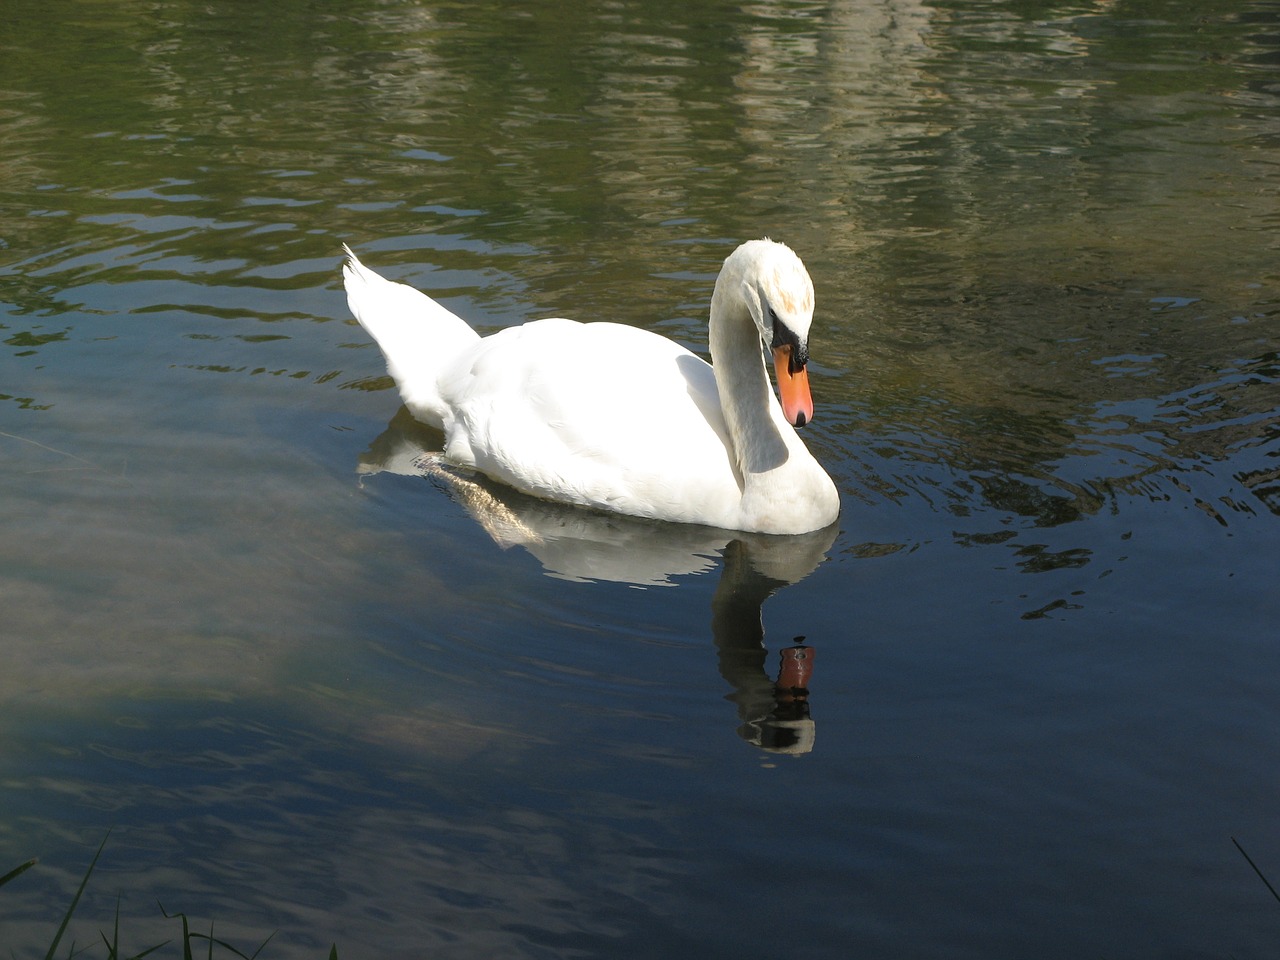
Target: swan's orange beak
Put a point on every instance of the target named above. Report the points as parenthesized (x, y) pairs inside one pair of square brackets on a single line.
[(793, 388)]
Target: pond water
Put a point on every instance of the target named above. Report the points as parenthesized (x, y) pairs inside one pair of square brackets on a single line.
[(313, 688)]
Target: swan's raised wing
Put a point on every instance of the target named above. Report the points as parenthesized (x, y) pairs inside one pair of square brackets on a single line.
[(418, 336)]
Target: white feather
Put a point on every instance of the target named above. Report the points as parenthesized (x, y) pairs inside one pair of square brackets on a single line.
[(614, 417)]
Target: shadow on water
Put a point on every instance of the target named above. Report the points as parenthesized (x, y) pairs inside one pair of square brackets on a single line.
[(582, 545)]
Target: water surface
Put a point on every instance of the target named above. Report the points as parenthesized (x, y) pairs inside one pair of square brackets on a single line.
[(316, 689)]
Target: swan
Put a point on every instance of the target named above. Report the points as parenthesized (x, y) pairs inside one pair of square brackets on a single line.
[(616, 418)]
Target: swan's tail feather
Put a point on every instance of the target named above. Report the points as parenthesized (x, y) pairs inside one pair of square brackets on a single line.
[(418, 336)]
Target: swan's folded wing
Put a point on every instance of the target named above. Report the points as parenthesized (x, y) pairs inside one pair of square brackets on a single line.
[(598, 414)]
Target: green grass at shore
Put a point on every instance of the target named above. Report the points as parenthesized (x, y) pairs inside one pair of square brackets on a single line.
[(210, 946)]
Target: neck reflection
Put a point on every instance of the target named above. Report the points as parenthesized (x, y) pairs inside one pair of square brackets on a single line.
[(773, 709)]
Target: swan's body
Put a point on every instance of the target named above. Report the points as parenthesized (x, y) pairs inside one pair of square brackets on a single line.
[(614, 417)]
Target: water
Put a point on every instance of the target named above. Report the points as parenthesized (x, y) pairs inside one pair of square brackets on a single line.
[(313, 690)]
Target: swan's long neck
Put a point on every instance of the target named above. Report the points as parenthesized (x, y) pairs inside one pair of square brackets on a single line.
[(746, 396)]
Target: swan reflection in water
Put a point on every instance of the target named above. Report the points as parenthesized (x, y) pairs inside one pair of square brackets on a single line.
[(583, 546)]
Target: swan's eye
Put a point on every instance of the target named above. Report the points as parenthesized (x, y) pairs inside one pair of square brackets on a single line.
[(784, 336), (780, 330)]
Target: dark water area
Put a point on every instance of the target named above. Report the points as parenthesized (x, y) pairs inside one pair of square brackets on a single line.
[(314, 686)]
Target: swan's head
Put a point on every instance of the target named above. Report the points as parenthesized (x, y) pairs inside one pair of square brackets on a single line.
[(779, 296)]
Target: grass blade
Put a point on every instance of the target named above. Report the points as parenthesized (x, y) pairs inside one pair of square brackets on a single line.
[(16, 871), (186, 931), (227, 946), (1256, 870), (75, 901), (113, 946), (262, 946)]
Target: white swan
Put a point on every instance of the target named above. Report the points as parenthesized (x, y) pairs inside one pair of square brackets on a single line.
[(613, 417)]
